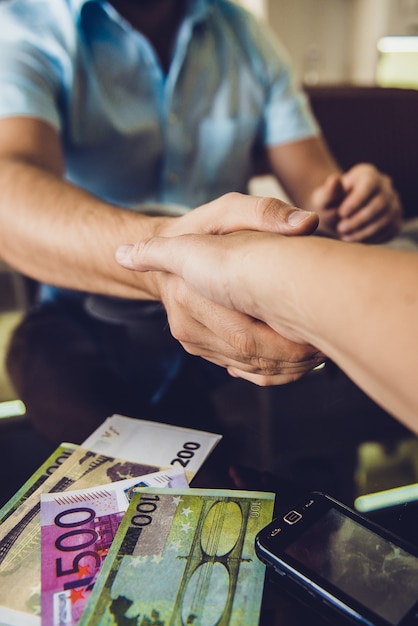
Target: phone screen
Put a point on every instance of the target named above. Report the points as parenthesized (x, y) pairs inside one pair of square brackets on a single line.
[(372, 570)]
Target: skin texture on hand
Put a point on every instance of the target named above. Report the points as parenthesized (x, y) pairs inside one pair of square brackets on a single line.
[(360, 205), (357, 303), (232, 339), (244, 345), (234, 211)]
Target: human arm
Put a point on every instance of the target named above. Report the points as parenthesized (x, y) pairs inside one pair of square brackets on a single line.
[(358, 304), (58, 233), (358, 205)]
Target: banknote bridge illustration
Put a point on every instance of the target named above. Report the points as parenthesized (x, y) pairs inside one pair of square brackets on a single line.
[(211, 572)]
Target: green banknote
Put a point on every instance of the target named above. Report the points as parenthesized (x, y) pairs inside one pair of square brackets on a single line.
[(183, 557), (53, 462)]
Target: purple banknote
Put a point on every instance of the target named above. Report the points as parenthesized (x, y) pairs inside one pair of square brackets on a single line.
[(77, 530)]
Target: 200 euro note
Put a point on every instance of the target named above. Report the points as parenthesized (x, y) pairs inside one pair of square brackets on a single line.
[(77, 530), (160, 445), (183, 557)]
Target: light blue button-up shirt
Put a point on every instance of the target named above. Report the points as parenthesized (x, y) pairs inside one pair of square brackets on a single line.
[(131, 133)]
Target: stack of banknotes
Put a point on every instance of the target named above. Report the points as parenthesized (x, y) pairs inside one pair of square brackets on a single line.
[(110, 532)]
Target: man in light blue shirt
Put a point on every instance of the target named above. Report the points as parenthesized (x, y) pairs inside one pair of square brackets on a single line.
[(133, 130), (107, 108)]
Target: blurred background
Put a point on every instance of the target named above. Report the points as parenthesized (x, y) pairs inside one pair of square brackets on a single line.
[(368, 42), (358, 62)]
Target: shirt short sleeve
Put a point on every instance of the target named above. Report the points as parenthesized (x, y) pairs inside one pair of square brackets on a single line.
[(29, 67), (287, 114)]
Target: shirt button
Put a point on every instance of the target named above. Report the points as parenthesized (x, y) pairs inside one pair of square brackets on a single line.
[(173, 178)]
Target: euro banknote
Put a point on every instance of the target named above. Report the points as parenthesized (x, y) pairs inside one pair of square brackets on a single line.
[(20, 533), (183, 557), (53, 462), (77, 530), (20, 557), (154, 443)]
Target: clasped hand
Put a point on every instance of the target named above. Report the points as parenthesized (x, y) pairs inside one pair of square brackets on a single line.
[(360, 205), (244, 345)]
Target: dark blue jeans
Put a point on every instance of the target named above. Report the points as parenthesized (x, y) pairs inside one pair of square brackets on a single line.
[(75, 361)]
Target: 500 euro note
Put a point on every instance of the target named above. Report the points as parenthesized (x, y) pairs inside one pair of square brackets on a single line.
[(20, 533), (77, 530)]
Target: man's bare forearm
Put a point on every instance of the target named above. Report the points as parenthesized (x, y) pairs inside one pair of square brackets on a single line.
[(58, 233), (62, 235)]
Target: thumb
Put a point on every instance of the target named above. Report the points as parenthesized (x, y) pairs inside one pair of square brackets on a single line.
[(148, 254), (234, 212)]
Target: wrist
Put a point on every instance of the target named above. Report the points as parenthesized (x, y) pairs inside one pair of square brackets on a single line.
[(143, 285)]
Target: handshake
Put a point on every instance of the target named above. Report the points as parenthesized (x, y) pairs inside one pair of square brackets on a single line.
[(212, 285), (270, 306)]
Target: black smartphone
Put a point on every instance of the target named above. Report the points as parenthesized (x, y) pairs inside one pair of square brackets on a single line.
[(329, 554)]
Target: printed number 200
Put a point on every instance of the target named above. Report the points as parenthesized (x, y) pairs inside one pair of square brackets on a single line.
[(185, 455)]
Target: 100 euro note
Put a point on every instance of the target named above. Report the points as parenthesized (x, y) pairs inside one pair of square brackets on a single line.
[(77, 529), (183, 557)]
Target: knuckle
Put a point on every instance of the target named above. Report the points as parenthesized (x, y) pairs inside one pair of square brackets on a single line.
[(269, 210), (232, 196), (244, 344), (191, 349), (250, 353), (136, 250), (267, 367), (177, 330)]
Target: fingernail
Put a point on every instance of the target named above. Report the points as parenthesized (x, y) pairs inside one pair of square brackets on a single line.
[(123, 253), (296, 217)]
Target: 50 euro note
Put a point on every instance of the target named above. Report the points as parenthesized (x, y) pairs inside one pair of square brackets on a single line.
[(20, 540), (183, 557), (53, 462), (77, 530)]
